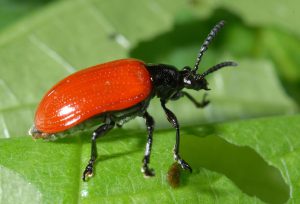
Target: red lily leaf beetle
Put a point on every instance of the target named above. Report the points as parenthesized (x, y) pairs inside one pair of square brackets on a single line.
[(117, 91)]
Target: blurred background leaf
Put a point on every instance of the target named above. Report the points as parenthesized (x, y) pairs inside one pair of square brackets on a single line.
[(13, 10), (44, 41)]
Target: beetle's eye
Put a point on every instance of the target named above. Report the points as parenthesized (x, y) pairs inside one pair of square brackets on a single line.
[(187, 80)]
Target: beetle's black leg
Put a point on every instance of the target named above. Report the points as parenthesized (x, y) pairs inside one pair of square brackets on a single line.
[(100, 131), (177, 96), (173, 120), (146, 160), (201, 104), (119, 126)]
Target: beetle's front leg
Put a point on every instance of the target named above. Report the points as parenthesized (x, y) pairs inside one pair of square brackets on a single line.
[(201, 104), (173, 120)]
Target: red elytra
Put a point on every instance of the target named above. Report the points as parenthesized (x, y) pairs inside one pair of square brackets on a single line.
[(112, 86)]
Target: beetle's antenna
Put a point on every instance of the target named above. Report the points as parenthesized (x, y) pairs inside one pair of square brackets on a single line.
[(217, 67), (207, 41)]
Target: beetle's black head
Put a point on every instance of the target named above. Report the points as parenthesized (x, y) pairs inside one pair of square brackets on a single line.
[(192, 80), (195, 81)]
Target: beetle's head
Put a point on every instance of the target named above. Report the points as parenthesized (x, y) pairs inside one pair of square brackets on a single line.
[(192, 80), (195, 81)]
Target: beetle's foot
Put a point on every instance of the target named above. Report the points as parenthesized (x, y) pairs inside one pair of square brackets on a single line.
[(88, 172), (183, 163), (204, 102), (147, 171)]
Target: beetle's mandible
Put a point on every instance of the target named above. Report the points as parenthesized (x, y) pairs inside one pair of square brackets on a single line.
[(117, 91)]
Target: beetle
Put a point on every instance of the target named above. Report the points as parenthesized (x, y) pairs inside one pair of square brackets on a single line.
[(115, 92)]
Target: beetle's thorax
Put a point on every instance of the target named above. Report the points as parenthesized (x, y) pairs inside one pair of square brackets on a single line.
[(166, 79)]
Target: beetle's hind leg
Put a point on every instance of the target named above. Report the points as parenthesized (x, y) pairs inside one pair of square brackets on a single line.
[(99, 132), (146, 160)]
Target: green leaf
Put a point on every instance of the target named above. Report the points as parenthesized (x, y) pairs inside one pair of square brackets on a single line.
[(230, 161), (267, 13), (13, 10)]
